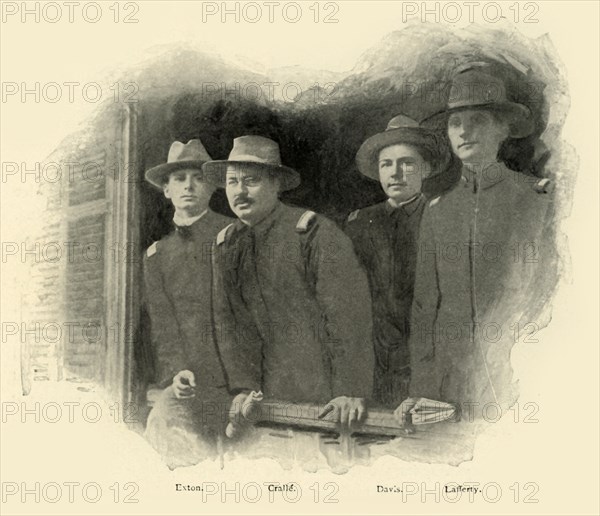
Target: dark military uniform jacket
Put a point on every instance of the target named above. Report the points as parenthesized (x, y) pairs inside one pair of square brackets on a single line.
[(293, 316), (485, 253), (385, 240), (178, 281)]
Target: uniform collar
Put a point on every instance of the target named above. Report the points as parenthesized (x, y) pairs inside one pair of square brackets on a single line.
[(188, 226), (486, 177), (183, 221), (409, 207), (265, 224)]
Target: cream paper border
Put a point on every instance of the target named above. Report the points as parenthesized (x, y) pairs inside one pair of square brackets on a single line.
[(559, 454)]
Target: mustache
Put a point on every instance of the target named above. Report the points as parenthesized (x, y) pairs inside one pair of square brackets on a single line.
[(242, 199)]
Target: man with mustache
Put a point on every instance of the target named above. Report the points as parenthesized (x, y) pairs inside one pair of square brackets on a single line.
[(385, 239), (178, 279), (293, 315)]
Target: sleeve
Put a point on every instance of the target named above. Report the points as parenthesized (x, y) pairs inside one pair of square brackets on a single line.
[(353, 228), (343, 294), (540, 263), (238, 343), (168, 346), (424, 380)]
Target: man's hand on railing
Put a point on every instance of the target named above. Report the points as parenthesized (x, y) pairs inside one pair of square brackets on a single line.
[(184, 384), (240, 412), (347, 411), (419, 411), (403, 413)]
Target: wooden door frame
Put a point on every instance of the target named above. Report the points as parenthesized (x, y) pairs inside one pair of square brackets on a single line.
[(123, 275)]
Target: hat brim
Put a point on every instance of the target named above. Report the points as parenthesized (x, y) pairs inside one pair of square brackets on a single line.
[(521, 125), (367, 156), (215, 172), (159, 175)]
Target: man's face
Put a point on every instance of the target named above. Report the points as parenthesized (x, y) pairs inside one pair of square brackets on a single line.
[(251, 191), (401, 170), (187, 191), (476, 135)]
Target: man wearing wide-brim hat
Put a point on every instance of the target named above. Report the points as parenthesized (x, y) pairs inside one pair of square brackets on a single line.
[(177, 277), (289, 279), (482, 86), (485, 260), (385, 239)]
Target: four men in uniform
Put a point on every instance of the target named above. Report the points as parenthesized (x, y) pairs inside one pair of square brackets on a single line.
[(305, 313)]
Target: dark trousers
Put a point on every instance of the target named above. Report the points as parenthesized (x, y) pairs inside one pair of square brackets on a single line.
[(392, 373)]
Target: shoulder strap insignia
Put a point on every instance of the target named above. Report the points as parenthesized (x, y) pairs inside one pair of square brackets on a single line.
[(353, 215), (152, 249), (222, 236), (305, 221), (434, 201), (544, 186)]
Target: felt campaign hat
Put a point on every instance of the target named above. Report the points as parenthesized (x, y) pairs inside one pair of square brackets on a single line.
[(189, 155), (252, 151), (400, 130), (476, 86)]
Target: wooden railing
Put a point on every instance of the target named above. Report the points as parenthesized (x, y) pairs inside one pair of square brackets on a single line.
[(305, 416)]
